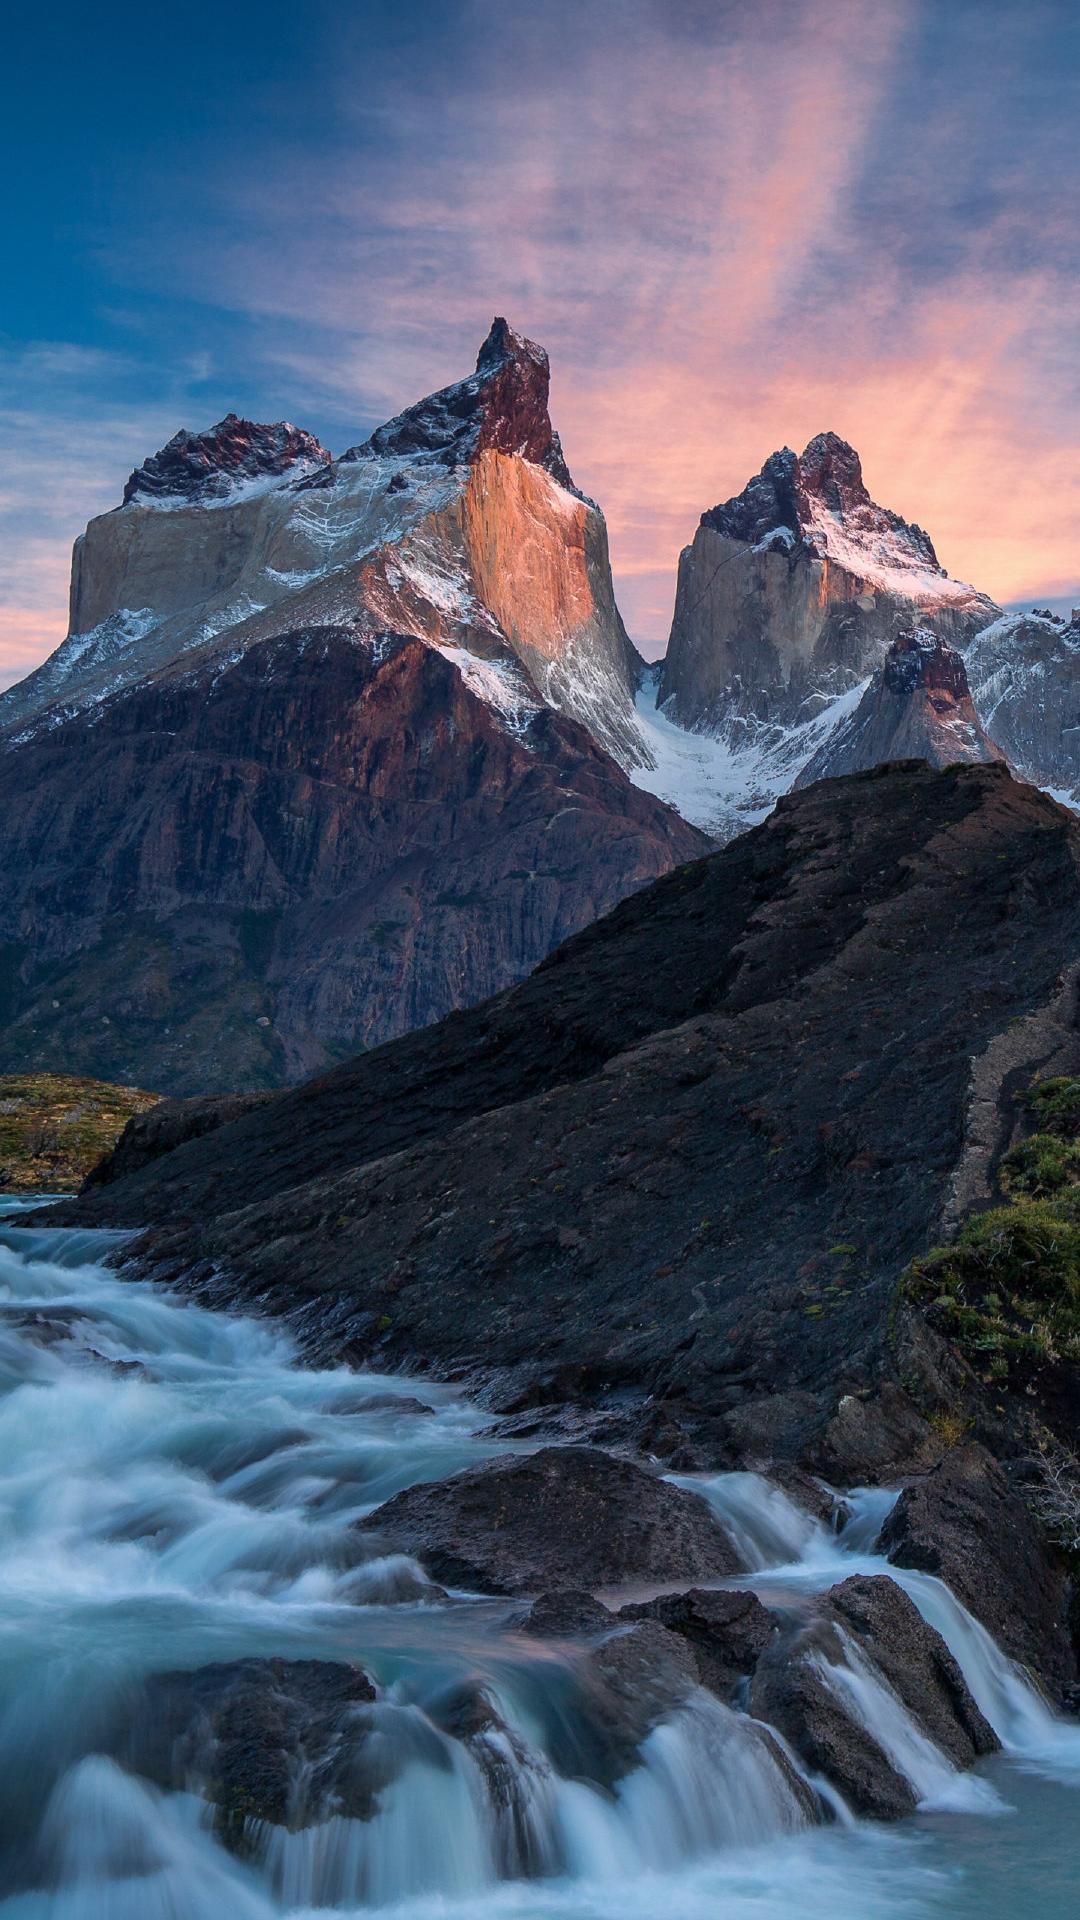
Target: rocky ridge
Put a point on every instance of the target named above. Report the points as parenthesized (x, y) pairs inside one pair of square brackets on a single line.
[(918, 706), (665, 1180), (333, 746), (457, 523), (788, 601), (233, 457)]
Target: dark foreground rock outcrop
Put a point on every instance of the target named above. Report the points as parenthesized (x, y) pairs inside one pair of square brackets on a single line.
[(571, 1517), (689, 1157)]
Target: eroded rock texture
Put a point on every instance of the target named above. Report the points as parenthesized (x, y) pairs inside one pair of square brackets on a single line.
[(238, 872)]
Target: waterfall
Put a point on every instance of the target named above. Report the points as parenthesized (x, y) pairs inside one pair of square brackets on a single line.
[(872, 1704), (175, 1490), (767, 1529)]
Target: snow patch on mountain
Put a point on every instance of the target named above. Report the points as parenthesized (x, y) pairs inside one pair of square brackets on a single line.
[(501, 684), (885, 558), (226, 492), (726, 785)]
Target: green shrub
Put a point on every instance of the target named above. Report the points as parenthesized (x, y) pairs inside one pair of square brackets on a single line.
[(1055, 1104), (1008, 1284), (1008, 1287), (1043, 1165)]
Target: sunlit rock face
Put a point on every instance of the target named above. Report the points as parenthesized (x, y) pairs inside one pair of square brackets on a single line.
[(456, 522), (918, 706), (1025, 679), (331, 750), (792, 592)]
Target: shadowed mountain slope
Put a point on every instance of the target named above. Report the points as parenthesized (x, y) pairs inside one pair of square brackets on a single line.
[(691, 1154)]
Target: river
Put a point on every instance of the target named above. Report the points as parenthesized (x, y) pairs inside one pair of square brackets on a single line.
[(176, 1490)]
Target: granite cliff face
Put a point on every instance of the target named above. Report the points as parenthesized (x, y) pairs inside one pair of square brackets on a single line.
[(788, 601), (918, 706), (328, 751), (791, 593), (456, 522), (239, 871), (1024, 672)]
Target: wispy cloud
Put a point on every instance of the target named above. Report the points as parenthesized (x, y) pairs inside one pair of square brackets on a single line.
[(731, 226)]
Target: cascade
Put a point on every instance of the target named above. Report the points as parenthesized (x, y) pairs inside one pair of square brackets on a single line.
[(176, 1491)]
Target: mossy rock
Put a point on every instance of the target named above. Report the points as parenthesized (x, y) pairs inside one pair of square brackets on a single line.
[(1009, 1283), (54, 1128)]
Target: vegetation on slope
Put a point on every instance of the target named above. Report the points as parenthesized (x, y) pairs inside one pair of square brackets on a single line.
[(1006, 1291), (54, 1128)]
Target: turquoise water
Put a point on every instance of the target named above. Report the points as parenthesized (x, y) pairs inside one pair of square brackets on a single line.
[(175, 1489)]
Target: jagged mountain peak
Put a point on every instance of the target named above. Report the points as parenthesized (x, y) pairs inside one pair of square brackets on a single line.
[(505, 343), (922, 658), (830, 468), (456, 522), (502, 406), (217, 466), (819, 499), (918, 706)]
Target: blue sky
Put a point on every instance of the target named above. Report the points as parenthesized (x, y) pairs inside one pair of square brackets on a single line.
[(732, 226)]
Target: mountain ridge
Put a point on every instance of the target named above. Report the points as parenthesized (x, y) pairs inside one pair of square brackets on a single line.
[(667, 1178)]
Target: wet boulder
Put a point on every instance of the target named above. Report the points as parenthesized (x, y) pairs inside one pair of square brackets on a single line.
[(728, 1630), (567, 1615), (514, 1775), (820, 1685), (913, 1658), (791, 1691), (965, 1523), (279, 1741), (601, 1702), (564, 1517)]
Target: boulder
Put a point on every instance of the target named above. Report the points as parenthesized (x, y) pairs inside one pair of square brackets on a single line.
[(728, 1630), (565, 1517), (602, 1700), (265, 1740), (869, 1437), (567, 1615), (917, 1664), (965, 1523), (792, 1693), (791, 1690)]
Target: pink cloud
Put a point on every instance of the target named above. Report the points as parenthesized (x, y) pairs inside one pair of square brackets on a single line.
[(679, 211)]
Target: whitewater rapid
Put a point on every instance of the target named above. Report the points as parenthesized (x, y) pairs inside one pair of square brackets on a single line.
[(176, 1490)]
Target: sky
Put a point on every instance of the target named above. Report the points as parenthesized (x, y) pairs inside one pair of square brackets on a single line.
[(733, 226)]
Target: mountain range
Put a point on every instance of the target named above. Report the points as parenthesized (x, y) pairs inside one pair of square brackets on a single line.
[(335, 746)]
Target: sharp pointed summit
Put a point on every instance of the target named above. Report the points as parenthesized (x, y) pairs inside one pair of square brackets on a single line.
[(331, 746), (918, 706), (457, 522), (502, 407)]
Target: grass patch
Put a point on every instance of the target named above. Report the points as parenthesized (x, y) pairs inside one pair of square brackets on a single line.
[(1007, 1289), (54, 1128)]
